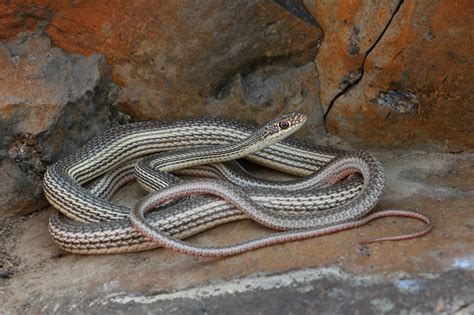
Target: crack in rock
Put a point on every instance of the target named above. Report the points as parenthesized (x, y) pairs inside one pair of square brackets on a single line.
[(361, 70)]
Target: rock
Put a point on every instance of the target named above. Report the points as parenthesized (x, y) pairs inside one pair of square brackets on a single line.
[(416, 88), (389, 73), (22, 16), (333, 274), (174, 61), (398, 101), (169, 65), (350, 29), (50, 104), (272, 90), (19, 193)]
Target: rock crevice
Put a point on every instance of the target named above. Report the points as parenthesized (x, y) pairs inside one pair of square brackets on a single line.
[(356, 76)]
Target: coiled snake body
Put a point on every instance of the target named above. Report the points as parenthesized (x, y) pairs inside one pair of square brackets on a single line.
[(324, 202)]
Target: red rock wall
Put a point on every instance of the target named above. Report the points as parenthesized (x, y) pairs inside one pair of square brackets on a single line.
[(413, 90), (392, 73), (172, 59)]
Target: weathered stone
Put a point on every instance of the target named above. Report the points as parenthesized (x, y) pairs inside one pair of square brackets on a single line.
[(173, 61), (176, 60), (25, 152), (19, 193), (399, 101), (271, 90), (427, 52), (407, 85), (21, 16), (50, 104), (350, 30)]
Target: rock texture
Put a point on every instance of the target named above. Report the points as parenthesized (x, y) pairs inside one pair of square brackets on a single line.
[(181, 65), (391, 73), (351, 30), (386, 73), (413, 86), (271, 90), (20, 192), (246, 60), (21, 16), (50, 104), (177, 61)]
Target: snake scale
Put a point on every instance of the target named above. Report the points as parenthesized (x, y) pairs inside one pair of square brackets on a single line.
[(338, 189)]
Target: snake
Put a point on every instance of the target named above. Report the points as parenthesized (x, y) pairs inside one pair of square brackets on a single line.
[(324, 201)]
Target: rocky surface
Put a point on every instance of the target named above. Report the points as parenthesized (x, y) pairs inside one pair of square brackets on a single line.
[(180, 60), (413, 73), (21, 192), (332, 274), (271, 90), (21, 16), (50, 104), (390, 73), (167, 66), (351, 30)]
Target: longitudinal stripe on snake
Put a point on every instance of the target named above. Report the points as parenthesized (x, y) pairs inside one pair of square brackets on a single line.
[(109, 231)]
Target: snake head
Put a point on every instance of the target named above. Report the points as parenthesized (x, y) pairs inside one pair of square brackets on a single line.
[(282, 126)]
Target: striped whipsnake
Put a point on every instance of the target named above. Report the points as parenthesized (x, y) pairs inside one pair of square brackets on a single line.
[(306, 211)]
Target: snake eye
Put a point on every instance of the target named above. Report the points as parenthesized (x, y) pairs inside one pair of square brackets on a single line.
[(284, 124)]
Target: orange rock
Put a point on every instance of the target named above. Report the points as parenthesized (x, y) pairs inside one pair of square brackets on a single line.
[(173, 59), (21, 16), (350, 29), (425, 56)]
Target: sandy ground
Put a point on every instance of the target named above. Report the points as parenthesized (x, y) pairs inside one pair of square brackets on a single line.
[(331, 274)]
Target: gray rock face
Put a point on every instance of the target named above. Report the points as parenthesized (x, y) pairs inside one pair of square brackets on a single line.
[(19, 193), (271, 90), (399, 101), (51, 102), (189, 59), (247, 60)]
